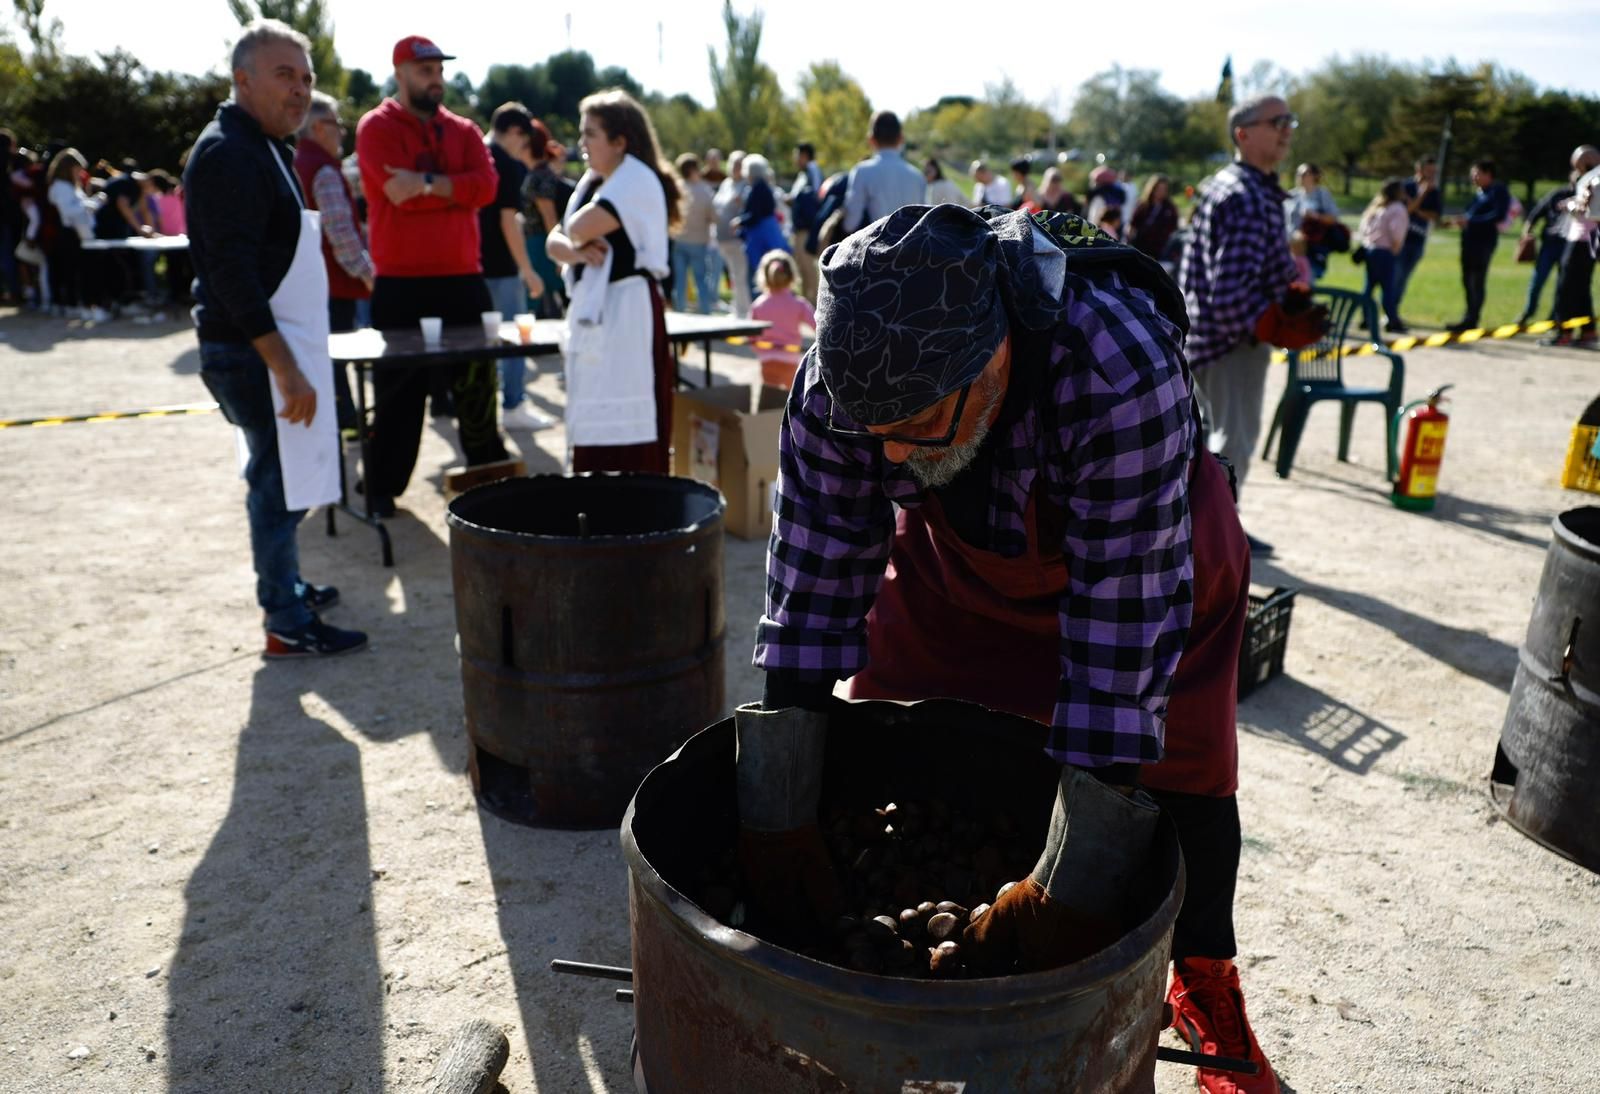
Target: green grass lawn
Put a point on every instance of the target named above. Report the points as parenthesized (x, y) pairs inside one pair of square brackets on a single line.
[(1434, 296)]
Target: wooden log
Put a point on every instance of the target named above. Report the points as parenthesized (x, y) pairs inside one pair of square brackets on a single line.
[(472, 1061), (460, 479)]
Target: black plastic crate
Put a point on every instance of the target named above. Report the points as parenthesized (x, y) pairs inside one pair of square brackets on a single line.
[(1266, 636)]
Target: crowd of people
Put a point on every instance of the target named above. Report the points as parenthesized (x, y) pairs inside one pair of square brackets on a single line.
[(986, 370), (53, 202)]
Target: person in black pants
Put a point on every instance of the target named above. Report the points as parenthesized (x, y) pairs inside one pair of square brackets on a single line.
[(398, 303), (426, 173), (1480, 232), (1575, 282)]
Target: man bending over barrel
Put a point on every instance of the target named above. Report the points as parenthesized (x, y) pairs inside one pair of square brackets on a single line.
[(992, 489)]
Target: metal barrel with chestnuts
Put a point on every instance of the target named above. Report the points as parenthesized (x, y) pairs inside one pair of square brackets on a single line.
[(929, 809)]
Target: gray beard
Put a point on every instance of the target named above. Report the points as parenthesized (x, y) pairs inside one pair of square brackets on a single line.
[(954, 458)]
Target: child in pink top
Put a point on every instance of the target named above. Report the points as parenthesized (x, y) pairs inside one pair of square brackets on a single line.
[(786, 313), (169, 205)]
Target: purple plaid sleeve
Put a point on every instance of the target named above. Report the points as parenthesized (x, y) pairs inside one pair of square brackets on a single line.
[(1237, 262), (1119, 468), (339, 224), (1112, 447), (830, 542)]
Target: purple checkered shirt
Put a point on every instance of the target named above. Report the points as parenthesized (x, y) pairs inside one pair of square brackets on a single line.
[(1110, 448), (1237, 262)]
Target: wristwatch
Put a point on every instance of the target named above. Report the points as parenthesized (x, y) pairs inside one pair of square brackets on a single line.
[(427, 183)]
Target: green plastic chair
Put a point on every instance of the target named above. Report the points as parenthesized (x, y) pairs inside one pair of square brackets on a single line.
[(1316, 373)]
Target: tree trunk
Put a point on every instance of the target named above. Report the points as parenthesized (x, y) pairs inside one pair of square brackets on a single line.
[(472, 1061)]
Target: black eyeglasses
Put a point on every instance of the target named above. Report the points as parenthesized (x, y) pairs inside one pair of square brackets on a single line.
[(1280, 122), (899, 438)]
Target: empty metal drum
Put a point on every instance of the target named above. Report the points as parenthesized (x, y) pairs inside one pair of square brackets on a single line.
[(718, 1010), (1547, 773), (590, 620)]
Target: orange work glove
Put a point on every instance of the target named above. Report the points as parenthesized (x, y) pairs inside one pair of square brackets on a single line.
[(1075, 901)]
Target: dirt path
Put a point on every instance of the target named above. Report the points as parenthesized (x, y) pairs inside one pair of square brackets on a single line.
[(223, 875)]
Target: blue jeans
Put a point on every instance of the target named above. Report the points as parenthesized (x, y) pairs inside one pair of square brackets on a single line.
[(510, 299), (237, 378), (1405, 262), (1381, 273), (693, 259), (716, 266), (1549, 257)]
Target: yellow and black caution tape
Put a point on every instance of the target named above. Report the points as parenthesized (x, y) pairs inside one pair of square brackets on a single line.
[(762, 343), (1365, 349), (1463, 337), (180, 410)]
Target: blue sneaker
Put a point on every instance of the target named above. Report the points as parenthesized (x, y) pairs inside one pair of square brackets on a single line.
[(315, 639), (318, 597)]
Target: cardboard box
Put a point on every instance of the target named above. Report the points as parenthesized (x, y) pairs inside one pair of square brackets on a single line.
[(728, 436)]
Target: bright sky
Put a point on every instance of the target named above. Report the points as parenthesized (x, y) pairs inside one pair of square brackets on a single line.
[(663, 43)]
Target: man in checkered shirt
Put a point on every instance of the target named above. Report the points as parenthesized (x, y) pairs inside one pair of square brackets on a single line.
[(1234, 274), (990, 489)]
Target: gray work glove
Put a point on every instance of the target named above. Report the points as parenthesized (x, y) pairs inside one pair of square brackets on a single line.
[(1076, 900), (791, 887), (779, 766)]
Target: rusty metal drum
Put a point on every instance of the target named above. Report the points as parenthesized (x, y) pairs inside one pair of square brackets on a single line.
[(1547, 772), (589, 616), (719, 1011)]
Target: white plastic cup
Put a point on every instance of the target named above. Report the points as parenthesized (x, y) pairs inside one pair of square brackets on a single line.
[(524, 321), (491, 325), (432, 327)]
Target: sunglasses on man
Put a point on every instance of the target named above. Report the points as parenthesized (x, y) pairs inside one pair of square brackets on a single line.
[(1281, 122), (900, 438)]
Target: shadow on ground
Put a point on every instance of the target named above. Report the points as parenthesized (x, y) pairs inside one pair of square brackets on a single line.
[(277, 956), (276, 984), (1471, 653), (1292, 712)]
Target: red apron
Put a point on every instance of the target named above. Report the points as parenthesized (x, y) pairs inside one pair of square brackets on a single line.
[(955, 621)]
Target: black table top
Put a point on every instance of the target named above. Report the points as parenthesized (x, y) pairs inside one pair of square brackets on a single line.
[(458, 345)]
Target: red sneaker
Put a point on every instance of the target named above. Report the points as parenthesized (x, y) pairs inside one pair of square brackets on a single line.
[(1208, 1011)]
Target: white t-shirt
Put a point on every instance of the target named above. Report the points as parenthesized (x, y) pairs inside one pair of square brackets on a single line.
[(1585, 206), (74, 207), (997, 191)]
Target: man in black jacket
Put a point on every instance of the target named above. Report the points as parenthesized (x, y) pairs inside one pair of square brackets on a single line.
[(244, 211)]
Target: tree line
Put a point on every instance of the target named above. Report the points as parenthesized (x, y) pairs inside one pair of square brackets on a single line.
[(1363, 115)]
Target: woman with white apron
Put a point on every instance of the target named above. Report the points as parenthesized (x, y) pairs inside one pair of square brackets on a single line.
[(613, 243)]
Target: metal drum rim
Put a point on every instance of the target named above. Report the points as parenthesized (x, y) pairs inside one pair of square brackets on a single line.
[(892, 993), (454, 520), (1570, 539)]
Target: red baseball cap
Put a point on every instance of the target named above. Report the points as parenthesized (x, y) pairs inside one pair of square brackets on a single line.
[(417, 48)]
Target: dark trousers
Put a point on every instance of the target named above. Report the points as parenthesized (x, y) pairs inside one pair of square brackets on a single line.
[(399, 394), (1546, 262), (1382, 275), (1475, 258), (1208, 832), (237, 378), (1575, 285), (341, 318), (1406, 262)]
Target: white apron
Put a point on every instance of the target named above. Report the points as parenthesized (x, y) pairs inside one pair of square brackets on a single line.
[(307, 454), (610, 336)]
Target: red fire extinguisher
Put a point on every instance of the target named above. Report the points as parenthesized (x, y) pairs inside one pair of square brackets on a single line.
[(1423, 452)]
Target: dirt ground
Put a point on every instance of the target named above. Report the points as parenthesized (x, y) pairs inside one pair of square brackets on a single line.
[(228, 875)]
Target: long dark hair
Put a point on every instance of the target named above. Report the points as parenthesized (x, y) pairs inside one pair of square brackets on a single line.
[(620, 115)]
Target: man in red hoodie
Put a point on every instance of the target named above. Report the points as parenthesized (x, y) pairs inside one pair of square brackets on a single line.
[(426, 173)]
